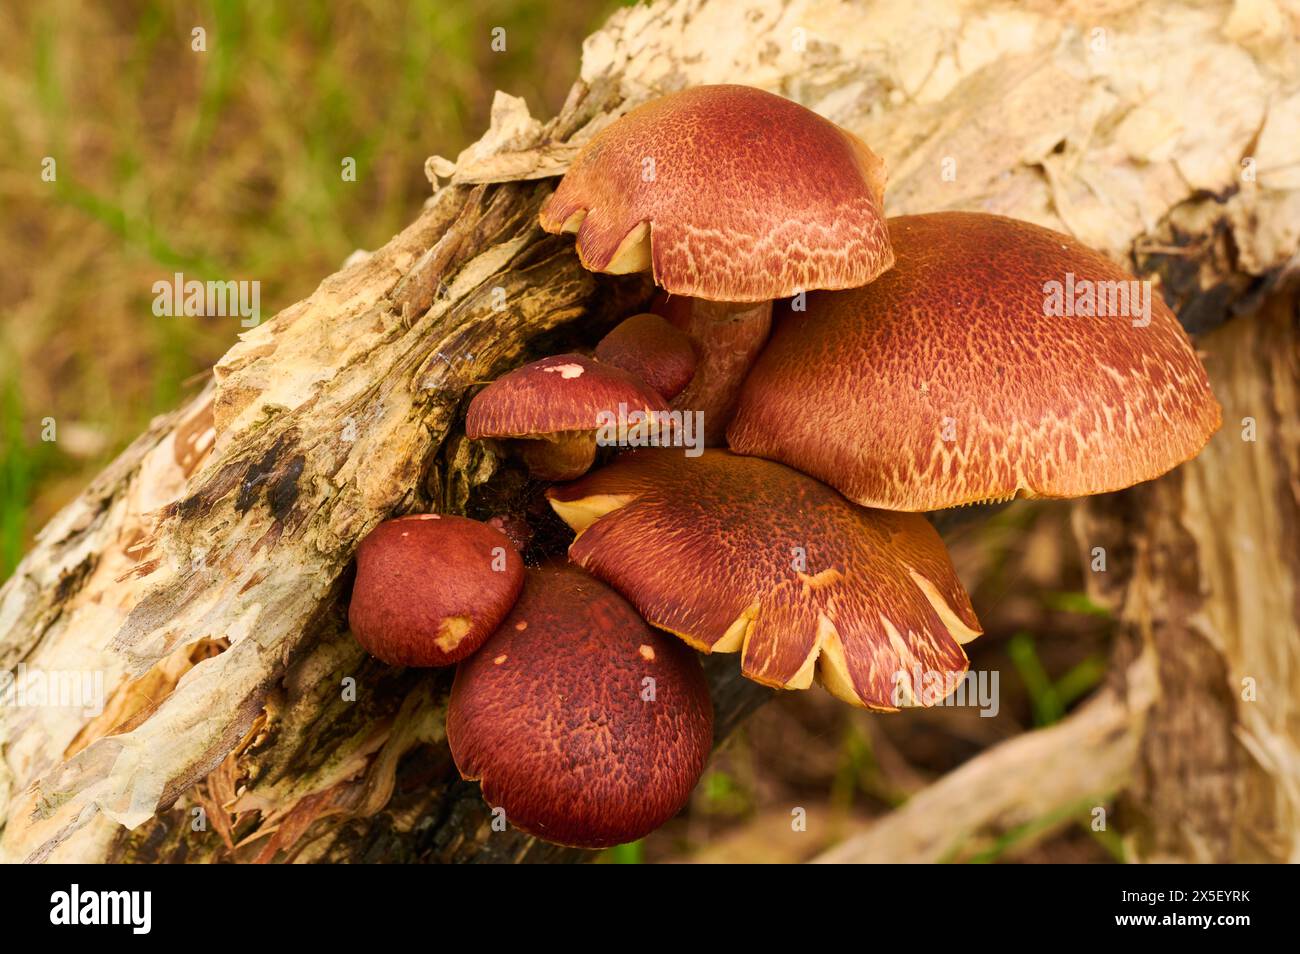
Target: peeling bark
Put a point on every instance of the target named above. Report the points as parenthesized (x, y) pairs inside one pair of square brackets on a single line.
[(1203, 568)]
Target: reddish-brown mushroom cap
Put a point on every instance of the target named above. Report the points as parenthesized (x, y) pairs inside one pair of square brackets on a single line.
[(431, 588), (950, 380), (651, 349), (558, 402), (727, 193), (565, 392), (738, 553), (585, 725)]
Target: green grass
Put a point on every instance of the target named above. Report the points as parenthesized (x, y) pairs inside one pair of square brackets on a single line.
[(1029, 831), (858, 772), (1109, 839), (1051, 698), (723, 794), (17, 467), (1075, 602), (25, 461), (633, 853)]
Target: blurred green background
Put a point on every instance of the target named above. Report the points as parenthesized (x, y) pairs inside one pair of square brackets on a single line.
[(226, 164), (222, 164)]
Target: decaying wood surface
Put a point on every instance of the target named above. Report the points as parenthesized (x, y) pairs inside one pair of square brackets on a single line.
[(1204, 572), (202, 572)]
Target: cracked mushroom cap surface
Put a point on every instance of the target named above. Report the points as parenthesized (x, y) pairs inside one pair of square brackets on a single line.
[(561, 393), (650, 348), (588, 728), (430, 588), (727, 193), (950, 381), (742, 554)]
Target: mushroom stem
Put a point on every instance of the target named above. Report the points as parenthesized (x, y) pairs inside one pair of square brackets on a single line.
[(565, 457), (728, 337)]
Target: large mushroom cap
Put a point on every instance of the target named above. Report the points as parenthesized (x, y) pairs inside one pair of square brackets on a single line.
[(741, 195), (950, 380), (648, 347), (431, 588), (588, 727), (565, 392), (738, 553)]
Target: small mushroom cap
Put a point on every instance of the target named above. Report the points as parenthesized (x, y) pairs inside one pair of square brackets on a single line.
[(739, 553), (653, 350), (588, 727), (741, 194), (949, 380), (431, 588), (565, 392)]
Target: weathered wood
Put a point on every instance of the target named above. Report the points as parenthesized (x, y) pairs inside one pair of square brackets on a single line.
[(202, 573), (1203, 568)]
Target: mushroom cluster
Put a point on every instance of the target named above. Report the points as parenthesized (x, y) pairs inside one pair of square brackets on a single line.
[(908, 365)]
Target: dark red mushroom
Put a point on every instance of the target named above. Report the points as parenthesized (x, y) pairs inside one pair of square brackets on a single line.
[(653, 350), (431, 588), (585, 725)]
